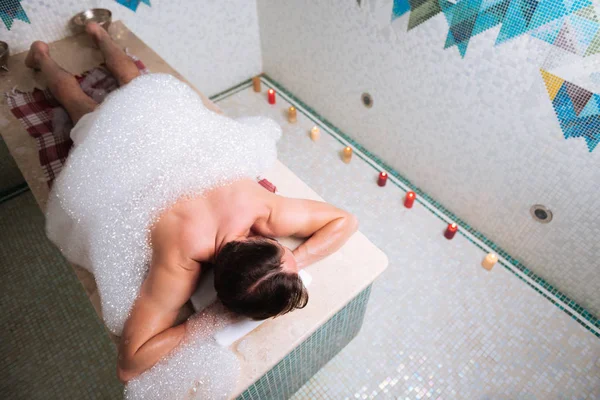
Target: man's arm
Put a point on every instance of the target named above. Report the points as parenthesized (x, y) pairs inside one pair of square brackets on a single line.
[(327, 227), (148, 334)]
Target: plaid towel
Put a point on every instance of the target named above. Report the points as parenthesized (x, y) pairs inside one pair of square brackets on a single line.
[(50, 125), (48, 122)]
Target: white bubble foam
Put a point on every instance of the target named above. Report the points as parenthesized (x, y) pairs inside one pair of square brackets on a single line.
[(146, 145), (197, 369)]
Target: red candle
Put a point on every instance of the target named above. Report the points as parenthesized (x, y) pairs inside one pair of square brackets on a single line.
[(271, 94), (451, 231), (409, 200), (267, 185), (382, 179)]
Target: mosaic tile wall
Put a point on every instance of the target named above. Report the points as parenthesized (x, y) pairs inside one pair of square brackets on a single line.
[(481, 130), (214, 44), (285, 378)]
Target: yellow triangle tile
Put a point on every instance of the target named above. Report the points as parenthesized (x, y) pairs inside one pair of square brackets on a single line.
[(553, 83)]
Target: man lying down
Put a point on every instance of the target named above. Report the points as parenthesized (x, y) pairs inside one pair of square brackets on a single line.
[(156, 185)]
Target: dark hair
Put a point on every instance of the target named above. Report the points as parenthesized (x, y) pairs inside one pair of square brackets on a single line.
[(250, 281)]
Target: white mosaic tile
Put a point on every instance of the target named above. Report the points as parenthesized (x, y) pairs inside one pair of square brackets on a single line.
[(478, 133), (214, 44), (438, 325)]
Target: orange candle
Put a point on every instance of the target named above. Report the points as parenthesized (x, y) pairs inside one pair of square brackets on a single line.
[(271, 95), (451, 231), (315, 133), (347, 154), (292, 114), (256, 83), (409, 200), (382, 178)]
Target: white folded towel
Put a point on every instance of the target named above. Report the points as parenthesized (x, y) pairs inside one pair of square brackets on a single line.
[(206, 294)]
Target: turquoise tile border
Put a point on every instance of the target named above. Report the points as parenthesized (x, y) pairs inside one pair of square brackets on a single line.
[(285, 378), (556, 297), (231, 91)]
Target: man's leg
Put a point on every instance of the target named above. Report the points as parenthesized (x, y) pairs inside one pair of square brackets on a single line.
[(62, 84), (117, 62)]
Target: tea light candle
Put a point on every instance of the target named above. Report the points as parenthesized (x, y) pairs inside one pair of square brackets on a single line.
[(489, 261), (256, 83), (451, 231), (347, 154), (382, 178), (292, 114), (271, 94), (409, 200), (315, 133)]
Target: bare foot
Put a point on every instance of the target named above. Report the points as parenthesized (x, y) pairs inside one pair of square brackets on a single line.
[(37, 52), (96, 32)]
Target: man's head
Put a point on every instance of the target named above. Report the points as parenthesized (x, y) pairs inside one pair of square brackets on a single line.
[(258, 278)]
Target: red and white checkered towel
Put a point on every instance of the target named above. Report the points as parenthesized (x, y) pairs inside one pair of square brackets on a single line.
[(48, 122)]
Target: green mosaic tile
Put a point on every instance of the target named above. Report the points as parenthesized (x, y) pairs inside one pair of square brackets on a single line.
[(285, 378)]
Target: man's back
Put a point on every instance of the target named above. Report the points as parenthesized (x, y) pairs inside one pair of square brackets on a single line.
[(194, 229), (199, 230)]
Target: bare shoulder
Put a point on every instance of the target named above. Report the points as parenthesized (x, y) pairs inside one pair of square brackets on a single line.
[(174, 243)]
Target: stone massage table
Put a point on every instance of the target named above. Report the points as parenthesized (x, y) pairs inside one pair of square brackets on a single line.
[(280, 355)]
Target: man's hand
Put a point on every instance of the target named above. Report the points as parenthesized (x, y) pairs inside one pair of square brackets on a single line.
[(327, 227)]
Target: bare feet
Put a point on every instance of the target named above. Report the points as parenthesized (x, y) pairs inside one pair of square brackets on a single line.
[(38, 51), (96, 32)]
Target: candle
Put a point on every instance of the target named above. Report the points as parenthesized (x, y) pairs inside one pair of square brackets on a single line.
[(451, 231), (347, 154), (256, 83), (315, 133), (271, 94), (409, 200), (267, 185), (382, 179), (292, 114), (489, 261)]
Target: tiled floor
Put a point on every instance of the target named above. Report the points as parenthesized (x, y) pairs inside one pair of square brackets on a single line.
[(53, 345), (438, 325), (10, 176)]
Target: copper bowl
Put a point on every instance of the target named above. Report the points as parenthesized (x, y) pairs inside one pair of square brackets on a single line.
[(100, 15)]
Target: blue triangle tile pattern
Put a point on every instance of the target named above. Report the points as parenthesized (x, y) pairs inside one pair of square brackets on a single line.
[(569, 24), (577, 109), (133, 4), (518, 17), (11, 10), (400, 8)]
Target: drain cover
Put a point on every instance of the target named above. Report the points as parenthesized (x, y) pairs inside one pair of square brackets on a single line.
[(540, 213), (367, 100)]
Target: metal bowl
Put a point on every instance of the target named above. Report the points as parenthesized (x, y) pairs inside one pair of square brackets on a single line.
[(100, 15), (4, 52)]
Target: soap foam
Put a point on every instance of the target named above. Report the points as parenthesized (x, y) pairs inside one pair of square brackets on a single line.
[(148, 144), (197, 369)]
